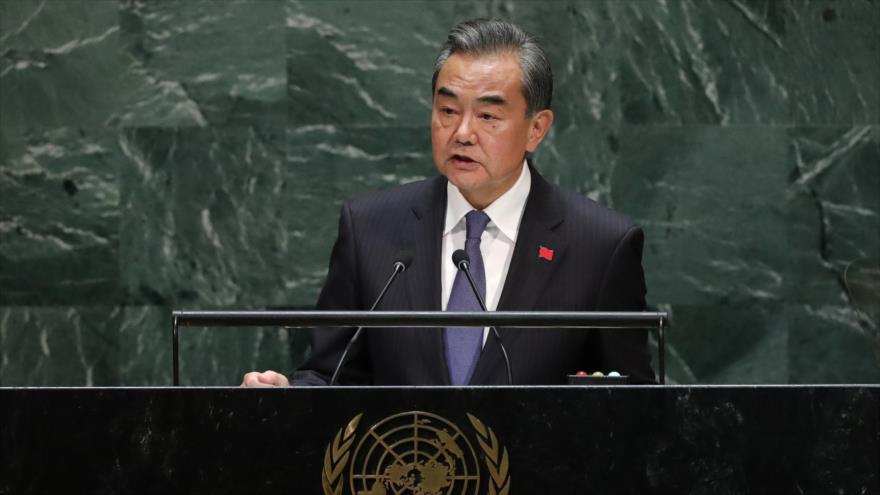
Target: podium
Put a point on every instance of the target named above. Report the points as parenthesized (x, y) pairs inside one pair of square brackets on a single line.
[(449, 440)]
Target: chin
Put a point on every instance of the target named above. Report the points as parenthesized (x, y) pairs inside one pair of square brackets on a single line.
[(464, 180)]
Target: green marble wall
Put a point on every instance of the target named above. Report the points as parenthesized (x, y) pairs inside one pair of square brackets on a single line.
[(194, 154)]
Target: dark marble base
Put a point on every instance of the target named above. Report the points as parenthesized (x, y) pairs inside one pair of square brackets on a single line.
[(812, 439)]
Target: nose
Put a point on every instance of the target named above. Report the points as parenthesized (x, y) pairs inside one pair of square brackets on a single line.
[(464, 133)]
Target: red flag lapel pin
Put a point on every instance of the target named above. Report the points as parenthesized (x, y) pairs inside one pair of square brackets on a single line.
[(545, 253)]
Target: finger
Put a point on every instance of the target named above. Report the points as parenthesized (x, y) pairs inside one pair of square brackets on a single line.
[(254, 379), (244, 379), (274, 378)]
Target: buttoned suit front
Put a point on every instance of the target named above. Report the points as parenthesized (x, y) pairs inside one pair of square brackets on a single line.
[(595, 266)]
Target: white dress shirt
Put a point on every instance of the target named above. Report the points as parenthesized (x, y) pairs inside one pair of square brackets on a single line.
[(497, 242)]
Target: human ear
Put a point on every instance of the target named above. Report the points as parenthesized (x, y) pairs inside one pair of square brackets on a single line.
[(538, 128)]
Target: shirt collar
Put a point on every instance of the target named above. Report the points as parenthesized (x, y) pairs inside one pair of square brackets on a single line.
[(505, 212)]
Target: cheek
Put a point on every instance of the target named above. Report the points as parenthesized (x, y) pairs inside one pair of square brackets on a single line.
[(438, 144), (510, 140), (436, 133), (438, 129)]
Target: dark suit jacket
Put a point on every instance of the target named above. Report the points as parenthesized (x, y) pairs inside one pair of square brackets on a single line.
[(596, 266)]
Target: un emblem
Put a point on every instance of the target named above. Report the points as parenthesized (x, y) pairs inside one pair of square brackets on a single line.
[(415, 453)]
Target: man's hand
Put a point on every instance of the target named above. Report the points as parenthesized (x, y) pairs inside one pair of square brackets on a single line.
[(267, 378)]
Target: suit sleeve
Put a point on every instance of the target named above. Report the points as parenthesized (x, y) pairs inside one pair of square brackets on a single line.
[(624, 289), (340, 293)]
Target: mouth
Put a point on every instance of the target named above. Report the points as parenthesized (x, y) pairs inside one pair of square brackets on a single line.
[(463, 160)]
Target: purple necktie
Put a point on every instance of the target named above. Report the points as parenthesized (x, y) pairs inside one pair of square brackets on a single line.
[(463, 344)]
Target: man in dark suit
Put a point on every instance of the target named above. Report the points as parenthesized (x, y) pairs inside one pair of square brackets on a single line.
[(532, 245)]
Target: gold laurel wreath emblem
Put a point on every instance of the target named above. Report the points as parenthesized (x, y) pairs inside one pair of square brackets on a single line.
[(337, 456), (497, 460), (338, 453)]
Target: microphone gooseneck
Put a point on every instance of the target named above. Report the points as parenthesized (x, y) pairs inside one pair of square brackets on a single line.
[(404, 259), (462, 261)]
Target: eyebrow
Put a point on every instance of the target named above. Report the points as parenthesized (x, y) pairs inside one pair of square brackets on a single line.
[(444, 91), (492, 100), (489, 99)]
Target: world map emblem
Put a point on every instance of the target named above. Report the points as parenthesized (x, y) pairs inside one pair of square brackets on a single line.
[(415, 453)]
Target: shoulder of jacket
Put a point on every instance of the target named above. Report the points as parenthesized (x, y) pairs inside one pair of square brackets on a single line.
[(400, 195), (581, 209)]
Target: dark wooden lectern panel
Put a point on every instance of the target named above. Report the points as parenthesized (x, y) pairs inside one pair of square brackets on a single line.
[(530, 440)]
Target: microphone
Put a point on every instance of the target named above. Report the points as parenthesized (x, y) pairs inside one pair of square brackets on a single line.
[(404, 258), (463, 262)]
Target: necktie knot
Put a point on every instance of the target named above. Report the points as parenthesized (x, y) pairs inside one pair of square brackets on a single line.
[(476, 221)]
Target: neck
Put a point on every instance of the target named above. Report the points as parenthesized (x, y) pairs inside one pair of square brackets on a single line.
[(481, 202)]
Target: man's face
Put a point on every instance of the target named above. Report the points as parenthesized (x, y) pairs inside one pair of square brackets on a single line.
[(479, 129)]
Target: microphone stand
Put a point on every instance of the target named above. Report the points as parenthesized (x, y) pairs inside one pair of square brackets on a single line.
[(464, 265), (399, 267)]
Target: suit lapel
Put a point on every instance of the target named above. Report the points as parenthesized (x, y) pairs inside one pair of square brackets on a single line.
[(529, 271), (424, 236)]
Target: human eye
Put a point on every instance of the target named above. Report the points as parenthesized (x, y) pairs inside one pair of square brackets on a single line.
[(447, 111), (488, 117)]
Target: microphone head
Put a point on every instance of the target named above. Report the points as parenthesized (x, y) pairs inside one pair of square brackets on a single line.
[(459, 257), (403, 259)]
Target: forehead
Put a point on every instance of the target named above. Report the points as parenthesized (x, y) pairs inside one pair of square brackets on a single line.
[(468, 75)]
